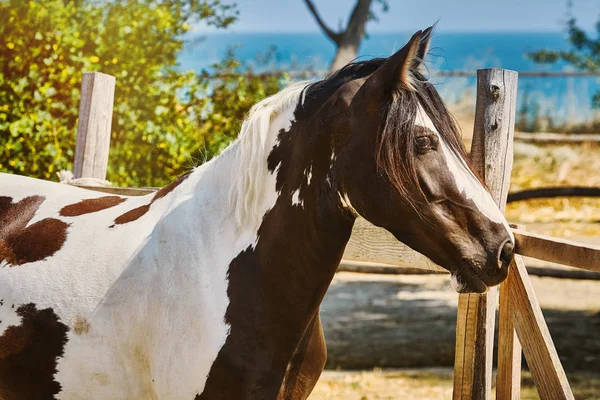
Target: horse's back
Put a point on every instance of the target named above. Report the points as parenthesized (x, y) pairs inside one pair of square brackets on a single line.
[(105, 313), (59, 255)]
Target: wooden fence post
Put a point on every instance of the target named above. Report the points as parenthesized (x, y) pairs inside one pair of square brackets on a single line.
[(491, 156), (508, 381), (93, 129)]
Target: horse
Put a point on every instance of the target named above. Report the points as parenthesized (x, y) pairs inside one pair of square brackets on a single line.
[(210, 288)]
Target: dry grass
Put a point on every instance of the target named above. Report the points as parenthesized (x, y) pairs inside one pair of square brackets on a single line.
[(538, 165), (557, 165), (545, 165), (431, 384)]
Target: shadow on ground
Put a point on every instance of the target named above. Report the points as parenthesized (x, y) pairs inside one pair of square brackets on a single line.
[(410, 321), (388, 324)]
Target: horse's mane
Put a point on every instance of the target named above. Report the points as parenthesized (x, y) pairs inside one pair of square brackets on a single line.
[(395, 151), (244, 197), (395, 155)]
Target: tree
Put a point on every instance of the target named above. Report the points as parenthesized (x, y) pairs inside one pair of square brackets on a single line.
[(347, 40), (585, 54), (163, 117)]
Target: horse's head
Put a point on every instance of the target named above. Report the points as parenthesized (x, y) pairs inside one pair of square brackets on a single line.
[(399, 163)]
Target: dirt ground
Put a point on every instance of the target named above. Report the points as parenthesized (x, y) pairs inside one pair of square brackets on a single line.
[(382, 321), (427, 383), (409, 321)]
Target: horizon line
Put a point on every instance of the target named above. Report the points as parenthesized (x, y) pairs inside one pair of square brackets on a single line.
[(409, 32)]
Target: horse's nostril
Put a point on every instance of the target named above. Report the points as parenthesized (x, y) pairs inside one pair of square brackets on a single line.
[(507, 252)]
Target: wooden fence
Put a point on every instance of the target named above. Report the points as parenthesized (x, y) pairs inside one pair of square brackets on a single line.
[(450, 74), (521, 327)]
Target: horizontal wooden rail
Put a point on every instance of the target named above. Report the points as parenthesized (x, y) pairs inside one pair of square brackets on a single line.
[(362, 267), (122, 191), (551, 137), (525, 74), (375, 245), (557, 250), (386, 269), (370, 244)]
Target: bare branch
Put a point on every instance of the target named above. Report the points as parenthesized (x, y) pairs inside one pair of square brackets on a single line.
[(335, 37)]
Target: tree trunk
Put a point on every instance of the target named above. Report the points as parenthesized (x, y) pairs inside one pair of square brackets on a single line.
[(348, 40), (347, 47)]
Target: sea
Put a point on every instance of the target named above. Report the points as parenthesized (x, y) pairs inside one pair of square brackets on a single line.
[(564, 99)]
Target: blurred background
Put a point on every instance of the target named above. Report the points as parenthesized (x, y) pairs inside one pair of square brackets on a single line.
[(189, 70)]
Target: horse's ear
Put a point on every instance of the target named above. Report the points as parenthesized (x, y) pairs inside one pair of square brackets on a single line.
[(423, 45), (396, 70)]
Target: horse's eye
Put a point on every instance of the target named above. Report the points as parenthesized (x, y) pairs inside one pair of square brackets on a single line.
[(424, 143)]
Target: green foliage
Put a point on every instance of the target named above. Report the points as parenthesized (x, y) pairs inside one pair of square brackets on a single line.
[(162, 118), (584, 56), (233, 90)]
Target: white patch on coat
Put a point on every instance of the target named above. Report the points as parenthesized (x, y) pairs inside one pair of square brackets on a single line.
[(345, 201), (303, 97), (466, 182), (8, 313), (308, 174), (154, 290), (296, 198)]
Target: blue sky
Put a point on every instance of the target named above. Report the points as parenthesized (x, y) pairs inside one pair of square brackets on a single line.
[(410, 15)]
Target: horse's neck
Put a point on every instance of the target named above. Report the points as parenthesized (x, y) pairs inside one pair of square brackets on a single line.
[(213, 190), (276, 284)]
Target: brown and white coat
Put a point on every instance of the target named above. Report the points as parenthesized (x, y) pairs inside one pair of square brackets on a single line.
[(210, 288)]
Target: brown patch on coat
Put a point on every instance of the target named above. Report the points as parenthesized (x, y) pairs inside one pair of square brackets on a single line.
[(170, 187), (90, 206), (136, 213), (131, 215), (29, 353), (81, 326), (19, 243)]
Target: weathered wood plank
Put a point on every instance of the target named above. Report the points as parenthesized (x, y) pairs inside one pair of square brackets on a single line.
[(491, 156), (508, 380), (369, 243), (537, 137), (122, 191), (383, 269), (561, 251), (532, 331), (492, 146), (387, 269), (474, 345), (93, 128), (554, 74)]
